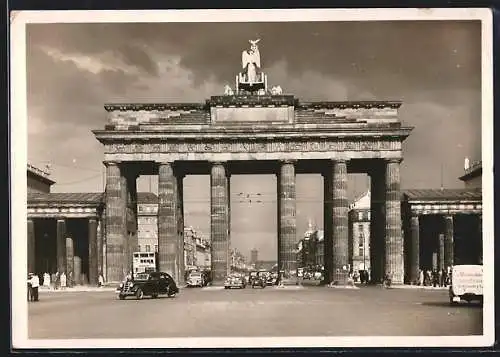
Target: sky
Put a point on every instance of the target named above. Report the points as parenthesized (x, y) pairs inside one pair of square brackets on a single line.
[(433, 67)]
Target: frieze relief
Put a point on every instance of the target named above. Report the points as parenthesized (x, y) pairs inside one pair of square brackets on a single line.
[(253, 146)]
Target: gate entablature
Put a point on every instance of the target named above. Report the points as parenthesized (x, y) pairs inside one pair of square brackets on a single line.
[(223, 129), (275, 110)]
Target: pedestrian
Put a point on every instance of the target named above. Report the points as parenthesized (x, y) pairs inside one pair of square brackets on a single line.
[(30, 291), (35, 283), (70, 279), (57, 281), (53, 281), (421, 277), (101, 281), (46, 280), (427, 281), (435, 278), (63, 281)]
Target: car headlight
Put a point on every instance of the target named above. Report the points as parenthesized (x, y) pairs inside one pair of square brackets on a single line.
[(121, 285), (131, 285)]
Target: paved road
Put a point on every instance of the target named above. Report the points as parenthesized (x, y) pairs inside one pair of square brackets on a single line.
[(270, 312)]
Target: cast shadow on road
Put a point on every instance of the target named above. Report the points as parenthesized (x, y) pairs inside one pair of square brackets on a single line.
[(474, 305)]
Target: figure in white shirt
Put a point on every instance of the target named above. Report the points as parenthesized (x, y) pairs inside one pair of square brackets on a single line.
[(35, 284), (63, 280), (46, 280)]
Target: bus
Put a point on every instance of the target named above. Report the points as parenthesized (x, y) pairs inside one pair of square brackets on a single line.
[(144, 262)]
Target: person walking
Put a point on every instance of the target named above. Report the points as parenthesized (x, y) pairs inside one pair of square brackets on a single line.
[(35, 283), (101, 281), (30, 291), (53, 281), (63, 281), (421, 277), (57, 281), (46, 280)]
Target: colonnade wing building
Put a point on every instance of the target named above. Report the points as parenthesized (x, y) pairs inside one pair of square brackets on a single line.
[(254, 134)]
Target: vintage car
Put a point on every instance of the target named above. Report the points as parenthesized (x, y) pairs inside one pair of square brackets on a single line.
[(259, 280), (466, 283), (235, 281), (148, 284), (271, 279), (195, 279)]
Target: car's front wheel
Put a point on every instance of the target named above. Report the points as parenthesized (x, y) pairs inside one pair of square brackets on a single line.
[(139, 294), (121, 297)]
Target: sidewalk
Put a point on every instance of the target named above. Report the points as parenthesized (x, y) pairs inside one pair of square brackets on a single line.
[(79, 288), (419, 287)]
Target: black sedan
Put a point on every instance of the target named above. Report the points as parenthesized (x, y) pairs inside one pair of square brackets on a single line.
[(148, 284)]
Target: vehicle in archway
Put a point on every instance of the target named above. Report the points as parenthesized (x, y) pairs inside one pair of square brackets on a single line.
[(466, 283), (195, 279), (235, 280), (148, 284), (259, 280)]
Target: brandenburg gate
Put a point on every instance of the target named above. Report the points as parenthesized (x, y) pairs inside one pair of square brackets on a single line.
[(254, 130)]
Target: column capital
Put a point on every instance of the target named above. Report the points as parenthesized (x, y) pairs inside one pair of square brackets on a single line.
[(111, 163), (61, 220), (339, 160), (163, 163), (394, 161), (448, 217), (218, 162)]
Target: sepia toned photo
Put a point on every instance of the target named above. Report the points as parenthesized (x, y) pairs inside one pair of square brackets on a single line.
[(257, 178)]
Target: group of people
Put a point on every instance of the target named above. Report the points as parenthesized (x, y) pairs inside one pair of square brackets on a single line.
[(363, 276), (435, 277), (55, 281)]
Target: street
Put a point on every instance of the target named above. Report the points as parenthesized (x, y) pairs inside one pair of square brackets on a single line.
[(269, 312)]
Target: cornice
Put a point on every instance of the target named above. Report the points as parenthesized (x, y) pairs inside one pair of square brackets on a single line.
[(349, 105), (154, 106), (247, 133)]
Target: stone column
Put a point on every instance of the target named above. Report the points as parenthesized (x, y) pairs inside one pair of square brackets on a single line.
[(219, 223), (415, 249), (168, 255), (393, 236), (104, 248), (377, 226), (99, 247), (448, 242), (125, 197), (180, 226), (340, 209), (115, 228), (228, 195), (441, 252), (70, 263), (61, 245), (327, 223), (93, 252), (31, 246), (132, 212), (480, 224), (287, 221)]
